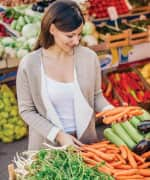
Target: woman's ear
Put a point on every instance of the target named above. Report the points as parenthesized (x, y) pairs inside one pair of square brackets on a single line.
[(52, 29)]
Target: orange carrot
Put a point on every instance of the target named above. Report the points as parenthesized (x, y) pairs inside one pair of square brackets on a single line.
[(146, 154), (116, 164), (120, 158), (138, 158), (123, 152), (126, 177), (124, 166), (145, 165), (107, 157), (90, 161), (130, 157), (125, 111), (125, 172), (136, 112), (144, 172), (105, 170)]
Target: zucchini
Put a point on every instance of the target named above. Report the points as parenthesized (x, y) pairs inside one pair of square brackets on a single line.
[(118, 129), (134, 121), (132, 132), (112, 137), (144, 116)]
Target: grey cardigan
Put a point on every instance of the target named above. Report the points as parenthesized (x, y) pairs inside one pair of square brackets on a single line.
[(37, 110)]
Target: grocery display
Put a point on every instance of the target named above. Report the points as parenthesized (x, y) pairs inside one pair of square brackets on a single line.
[(12, 127), (124, 151)]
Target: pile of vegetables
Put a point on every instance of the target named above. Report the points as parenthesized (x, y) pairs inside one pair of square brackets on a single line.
[(129, 87), (56, 165), (12, 47), (16, 2), (40, 6), (109, 94), (3, 31), (98, 8), (145, 71), (19, 20), (12, 127), (120, 162), (117, 114), (132, 133)]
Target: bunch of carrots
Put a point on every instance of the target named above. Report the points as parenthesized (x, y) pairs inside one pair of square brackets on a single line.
[(120, 162), (119, 114)]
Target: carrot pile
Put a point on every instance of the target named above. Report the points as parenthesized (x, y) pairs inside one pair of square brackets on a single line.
[(119, 114), (120, 162)]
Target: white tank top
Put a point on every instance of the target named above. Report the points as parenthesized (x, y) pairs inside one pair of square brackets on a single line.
[(62, 97)]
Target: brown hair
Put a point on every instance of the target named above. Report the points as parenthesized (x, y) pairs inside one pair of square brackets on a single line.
[(65, 14)]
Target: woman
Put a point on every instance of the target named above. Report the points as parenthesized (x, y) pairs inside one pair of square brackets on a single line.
[(58, 84)]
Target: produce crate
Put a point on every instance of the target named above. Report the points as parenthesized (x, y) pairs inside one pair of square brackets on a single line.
[(138, 38), (117, 40), (140, 9), (145, 105), (12, 62), (99, 47), (3, 64), (137, 68)]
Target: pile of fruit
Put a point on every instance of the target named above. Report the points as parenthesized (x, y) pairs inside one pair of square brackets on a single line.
[(12, 127), (145, 71), (98, 8), (129, 87)]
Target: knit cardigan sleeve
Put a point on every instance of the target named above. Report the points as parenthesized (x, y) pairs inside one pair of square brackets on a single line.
[(28, 110)]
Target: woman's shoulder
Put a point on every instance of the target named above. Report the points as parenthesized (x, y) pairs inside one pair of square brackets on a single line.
[(87, 52), (31, 59)]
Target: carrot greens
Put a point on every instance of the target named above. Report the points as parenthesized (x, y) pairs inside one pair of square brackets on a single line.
[(61, 165)]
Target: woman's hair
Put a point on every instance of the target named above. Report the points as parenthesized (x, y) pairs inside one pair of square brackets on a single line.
[(65, 15)]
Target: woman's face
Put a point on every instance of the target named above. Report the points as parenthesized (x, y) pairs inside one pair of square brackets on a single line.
[(66, 40)]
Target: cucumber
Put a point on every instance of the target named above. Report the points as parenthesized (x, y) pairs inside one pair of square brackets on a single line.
[(147, 136), (112, 137), (134, 121), (144, 116), (13, 24), (132, 132), (118, 129)]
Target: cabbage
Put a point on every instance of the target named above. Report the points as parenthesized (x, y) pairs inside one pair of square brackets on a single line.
[(7, 41), (88, 28), (31, 43), (30, 30), (21, 53), (10, 51), (90, 40)]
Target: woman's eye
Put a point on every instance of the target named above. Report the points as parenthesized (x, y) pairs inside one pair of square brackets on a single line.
[(69, 36)]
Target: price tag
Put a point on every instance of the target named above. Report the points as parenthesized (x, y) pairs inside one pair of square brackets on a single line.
[(112, 13)]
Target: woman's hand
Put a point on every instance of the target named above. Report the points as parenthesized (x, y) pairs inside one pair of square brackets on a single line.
[(63, 138)]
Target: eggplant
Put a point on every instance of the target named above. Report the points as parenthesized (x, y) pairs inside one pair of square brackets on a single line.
[(144, 126), (34, 7), (142, 147)]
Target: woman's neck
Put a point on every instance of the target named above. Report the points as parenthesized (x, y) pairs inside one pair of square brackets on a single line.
[(57, 52)]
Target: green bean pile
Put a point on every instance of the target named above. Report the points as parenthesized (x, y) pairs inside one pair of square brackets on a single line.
[(62, 165)]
